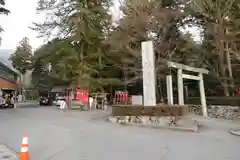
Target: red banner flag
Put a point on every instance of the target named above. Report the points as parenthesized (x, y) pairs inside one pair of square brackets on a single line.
[(82, 95)]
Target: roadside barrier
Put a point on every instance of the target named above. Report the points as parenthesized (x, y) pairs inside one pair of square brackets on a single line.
[(24, 148)]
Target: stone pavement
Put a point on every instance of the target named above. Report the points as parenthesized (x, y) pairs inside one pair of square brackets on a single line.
[(6, 153)]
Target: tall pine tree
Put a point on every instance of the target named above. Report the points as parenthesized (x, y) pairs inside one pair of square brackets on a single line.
[(85, 24)]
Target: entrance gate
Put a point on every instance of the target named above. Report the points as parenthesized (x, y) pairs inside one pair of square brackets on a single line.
[(149, 84), (180, 76)]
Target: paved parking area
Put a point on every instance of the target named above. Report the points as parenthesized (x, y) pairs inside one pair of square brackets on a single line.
[(77, 135)]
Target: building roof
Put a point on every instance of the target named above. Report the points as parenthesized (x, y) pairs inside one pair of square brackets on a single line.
[(8, 68), (5, 62)]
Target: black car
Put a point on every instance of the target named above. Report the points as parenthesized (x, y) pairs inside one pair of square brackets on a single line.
[(45, 101)]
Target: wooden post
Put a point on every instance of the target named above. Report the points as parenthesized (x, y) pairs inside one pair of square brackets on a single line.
[(169, 90), (180, 87), (202, 94)]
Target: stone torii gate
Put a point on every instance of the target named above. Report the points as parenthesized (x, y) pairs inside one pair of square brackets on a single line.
[(149, 83), (180, 76)]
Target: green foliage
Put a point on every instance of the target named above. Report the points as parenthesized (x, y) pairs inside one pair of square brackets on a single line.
[(65, 70), (90, 51), (148, 20), (56, 53), (220, 22), (97, 53), (22, 57), (84, 26)]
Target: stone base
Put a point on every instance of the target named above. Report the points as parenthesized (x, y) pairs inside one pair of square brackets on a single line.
[(184, 124), (160, 110)]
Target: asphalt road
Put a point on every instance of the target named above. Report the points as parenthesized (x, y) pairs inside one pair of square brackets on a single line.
[(77, 135)]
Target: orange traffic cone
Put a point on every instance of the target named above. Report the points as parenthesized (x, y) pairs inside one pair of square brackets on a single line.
[(24, 148)]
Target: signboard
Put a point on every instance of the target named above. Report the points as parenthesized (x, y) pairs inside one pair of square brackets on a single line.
[(137, 99), (238, 90), (82, 95)]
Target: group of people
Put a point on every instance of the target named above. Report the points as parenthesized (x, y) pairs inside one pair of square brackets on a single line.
[(7, 100), (98, 103)]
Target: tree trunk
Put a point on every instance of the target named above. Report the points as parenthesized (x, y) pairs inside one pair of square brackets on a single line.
[(223, 74), (80, 61), (159, 89), (229, 64), (186, 94), (22, 87), (220, 35), (100, 62), (125, 80)]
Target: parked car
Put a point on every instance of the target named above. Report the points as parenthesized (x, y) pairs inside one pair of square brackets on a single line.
[(45, 101)]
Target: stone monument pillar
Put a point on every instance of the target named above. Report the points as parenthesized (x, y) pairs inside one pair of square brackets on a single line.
[(148, 71)]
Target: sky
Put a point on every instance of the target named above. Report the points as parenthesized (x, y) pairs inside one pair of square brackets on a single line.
[(23, 13), (16, 24)]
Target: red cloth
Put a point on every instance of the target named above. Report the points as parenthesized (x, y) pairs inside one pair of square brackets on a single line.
[(82, 95)]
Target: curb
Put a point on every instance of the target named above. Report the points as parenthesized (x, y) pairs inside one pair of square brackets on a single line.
[(194, 129), (10, 150)]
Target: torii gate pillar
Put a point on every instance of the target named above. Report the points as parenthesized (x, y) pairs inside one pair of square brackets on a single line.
[(181, 76)]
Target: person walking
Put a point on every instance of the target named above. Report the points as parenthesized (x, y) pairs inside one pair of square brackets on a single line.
[(63, 105)]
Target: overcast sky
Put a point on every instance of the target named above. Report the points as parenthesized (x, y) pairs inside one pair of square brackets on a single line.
[(16, 24)]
